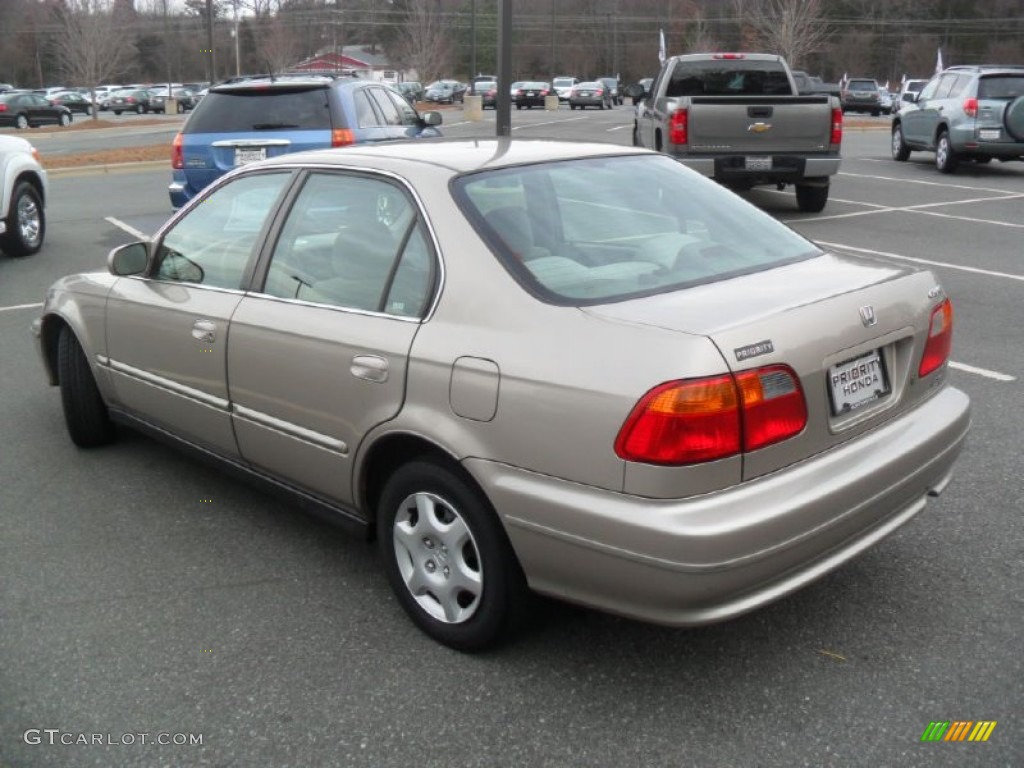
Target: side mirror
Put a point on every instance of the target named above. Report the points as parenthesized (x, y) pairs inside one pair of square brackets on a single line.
[(634, 91), (431, 118), (131, 259), (910, 96)]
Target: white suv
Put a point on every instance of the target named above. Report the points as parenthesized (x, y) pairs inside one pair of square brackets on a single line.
[(22, 197)]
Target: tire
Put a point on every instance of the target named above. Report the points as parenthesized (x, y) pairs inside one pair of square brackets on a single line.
[(519, 106), (21, 122), (602, 106), (117, 111), (26, 222), (65, 119), (181, 108), (432, 523), (900, 150), (85, 413), (946, 160), (88, 111), (811, 199), (636, 135), (1013, 118), (875, 112)]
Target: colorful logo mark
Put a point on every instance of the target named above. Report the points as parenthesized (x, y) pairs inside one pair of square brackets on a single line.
[(958, 730)]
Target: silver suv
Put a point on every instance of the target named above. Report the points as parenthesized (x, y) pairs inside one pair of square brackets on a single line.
[(965, 113)]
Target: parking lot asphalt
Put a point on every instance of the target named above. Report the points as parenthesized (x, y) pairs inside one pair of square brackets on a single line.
[(146, 593)]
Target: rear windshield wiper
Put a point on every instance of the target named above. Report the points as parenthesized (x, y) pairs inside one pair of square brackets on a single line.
[(271, 126)]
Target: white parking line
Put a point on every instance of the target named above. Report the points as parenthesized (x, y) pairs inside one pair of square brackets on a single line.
[(920, 208), (929, 262), (127, 228), (982, 372), (943, 184), (619, 127), (20, 306), (549, 122)]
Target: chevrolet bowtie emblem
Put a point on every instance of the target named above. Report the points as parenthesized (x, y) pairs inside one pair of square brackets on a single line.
[(759, 127)]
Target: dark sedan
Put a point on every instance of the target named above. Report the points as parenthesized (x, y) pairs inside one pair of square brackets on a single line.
[(531, 94), (411, 90), (30, 109), (590, 94), (74, 101), (130, 100), (445, 92), (185, 99)]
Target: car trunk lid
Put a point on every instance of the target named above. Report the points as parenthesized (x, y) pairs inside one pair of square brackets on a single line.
[(836, 321)]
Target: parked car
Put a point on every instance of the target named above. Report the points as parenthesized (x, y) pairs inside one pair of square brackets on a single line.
[(73, 100), (884, 101), (966, 113), (23, 197), (445, 92), (563, 86), (531, 94), (103, 95), (412, 90), (243, 122), (612, 84), (590, 94), (516, 85), (481, 83), (574, 367), (130, 100), (185, 100), (22, 109), (488, 93), (909, 87), (861, 95)]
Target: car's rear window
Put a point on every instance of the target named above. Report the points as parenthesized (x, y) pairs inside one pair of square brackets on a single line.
[(729, 77), (278, 109), (599, 230), (1001, 87), (862, 85)]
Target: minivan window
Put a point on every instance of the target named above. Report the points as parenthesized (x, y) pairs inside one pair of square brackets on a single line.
[(251, 109)]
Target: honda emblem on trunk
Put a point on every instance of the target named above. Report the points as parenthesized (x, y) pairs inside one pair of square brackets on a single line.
[(867, 315)]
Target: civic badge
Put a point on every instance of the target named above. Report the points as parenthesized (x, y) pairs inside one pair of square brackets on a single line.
[(759, 127), (867, 315)]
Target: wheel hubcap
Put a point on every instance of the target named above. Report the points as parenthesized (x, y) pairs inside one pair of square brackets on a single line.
[(28, 221), (941, 151), (897, 141), (438, 558)]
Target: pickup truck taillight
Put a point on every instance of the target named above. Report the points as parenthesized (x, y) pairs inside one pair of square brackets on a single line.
[(971, 107), (677, 127), (837, 126)]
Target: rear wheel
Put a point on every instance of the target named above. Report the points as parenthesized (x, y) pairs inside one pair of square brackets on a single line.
[(21, 122), (900, 150), (65, 119), (26, 222), (945, 159), (811, 199), (117, 111), (85, 413), (447, 557)]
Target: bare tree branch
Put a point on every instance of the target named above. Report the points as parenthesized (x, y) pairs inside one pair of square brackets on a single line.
[(424, 40), (791, 28)]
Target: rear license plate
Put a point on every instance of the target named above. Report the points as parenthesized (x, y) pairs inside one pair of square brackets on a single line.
[(757, 163), (244, 156), (857, 382), (989, 134)]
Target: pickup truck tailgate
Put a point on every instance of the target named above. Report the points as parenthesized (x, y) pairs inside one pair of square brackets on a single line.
[(762, 124)]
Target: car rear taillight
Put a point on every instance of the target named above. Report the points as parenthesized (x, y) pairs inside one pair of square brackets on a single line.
[(677, 127), (342, 137), (773, 405), (729, 56), (543, 93), (940, 339), (971, 107), (837, 126), (130, 100), (3, 107), (697, 420), (177, 152)]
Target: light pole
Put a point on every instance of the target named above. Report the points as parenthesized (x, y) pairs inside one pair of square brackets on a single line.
[(472, 40)]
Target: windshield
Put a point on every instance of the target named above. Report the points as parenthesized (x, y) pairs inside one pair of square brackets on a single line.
[(598, 230)]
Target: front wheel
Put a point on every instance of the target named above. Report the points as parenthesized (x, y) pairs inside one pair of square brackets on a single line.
[(65, 119), (811, 199), (447, 557), (945, 159), (26, 222), (21, 122), (85, 413), (900, 150)]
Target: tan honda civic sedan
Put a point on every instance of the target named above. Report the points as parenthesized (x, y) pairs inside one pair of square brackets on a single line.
[(575, 369)]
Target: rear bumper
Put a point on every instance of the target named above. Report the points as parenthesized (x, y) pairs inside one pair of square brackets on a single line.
[(709, 558), (785, 168)]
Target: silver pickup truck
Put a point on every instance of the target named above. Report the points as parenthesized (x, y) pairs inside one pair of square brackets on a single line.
[(738, 118)]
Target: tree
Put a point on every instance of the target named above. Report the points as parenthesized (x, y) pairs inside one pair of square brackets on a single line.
[(92, 45), (790, 28), (424, 40)]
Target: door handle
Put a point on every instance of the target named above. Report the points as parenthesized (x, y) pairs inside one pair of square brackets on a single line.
[(370, 368), (204, 331)]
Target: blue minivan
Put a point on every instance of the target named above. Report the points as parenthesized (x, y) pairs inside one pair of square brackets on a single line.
[(248, 121)]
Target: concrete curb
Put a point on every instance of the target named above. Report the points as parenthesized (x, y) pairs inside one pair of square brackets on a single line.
[(111, 168)]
